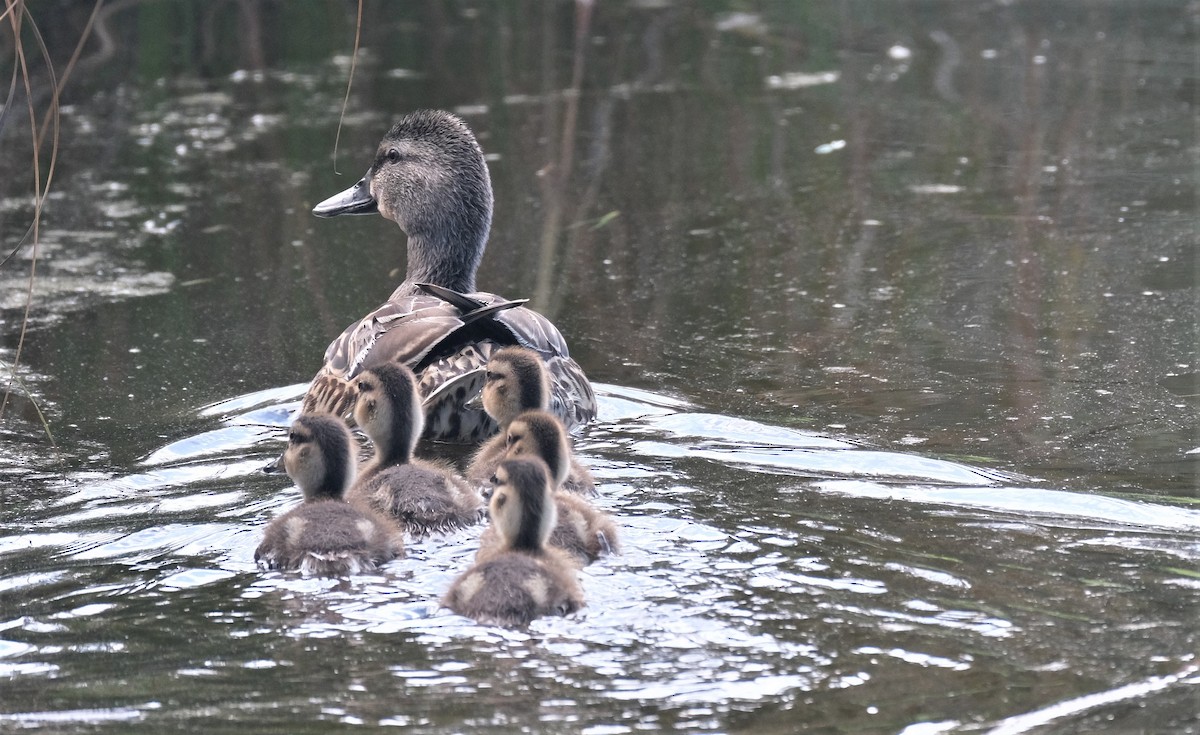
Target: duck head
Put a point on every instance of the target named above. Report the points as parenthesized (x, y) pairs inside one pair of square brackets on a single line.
[(539, 434), (522, 504), (515, 380), (429, 177), (318, 456), (388, 409)]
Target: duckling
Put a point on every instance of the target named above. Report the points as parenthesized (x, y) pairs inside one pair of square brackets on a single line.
[(514, 381), (325, 535), (423, 496), (429, 176), (522, 577), (541, 434), (581, 530)]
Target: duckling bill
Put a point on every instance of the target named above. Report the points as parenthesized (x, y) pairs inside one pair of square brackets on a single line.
[(429, 176)]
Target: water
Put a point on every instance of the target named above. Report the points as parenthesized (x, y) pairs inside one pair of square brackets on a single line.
[(891, 312)]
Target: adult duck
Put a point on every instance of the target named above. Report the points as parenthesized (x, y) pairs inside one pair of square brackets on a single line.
[(430, 178)]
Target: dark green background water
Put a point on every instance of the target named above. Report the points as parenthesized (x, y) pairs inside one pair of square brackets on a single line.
[(892, 309)]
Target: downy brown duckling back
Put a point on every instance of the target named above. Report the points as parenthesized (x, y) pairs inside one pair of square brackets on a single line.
[(325, 535), (521, 578), (422, 496), (582, 530)]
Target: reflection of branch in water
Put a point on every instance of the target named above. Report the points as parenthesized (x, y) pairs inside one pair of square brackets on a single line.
[(556, 175), (943, 75), (16, 12)]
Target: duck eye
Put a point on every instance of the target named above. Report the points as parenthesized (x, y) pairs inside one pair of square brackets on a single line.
[(393, 155)]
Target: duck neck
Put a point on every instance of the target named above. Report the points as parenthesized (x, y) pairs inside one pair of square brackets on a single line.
[(448, 260), (389, 453), (332, 486), (528, 540)]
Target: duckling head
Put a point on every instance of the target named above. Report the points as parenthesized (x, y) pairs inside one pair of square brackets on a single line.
[(515, 380), (388, 409), (540, 434), (318, 457), (522, 506), (429, 176)]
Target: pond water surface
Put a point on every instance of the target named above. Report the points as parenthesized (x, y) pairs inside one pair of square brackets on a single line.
[(891, 310)]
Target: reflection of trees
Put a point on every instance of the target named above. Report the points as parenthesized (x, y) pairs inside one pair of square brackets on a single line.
[(668, 209)]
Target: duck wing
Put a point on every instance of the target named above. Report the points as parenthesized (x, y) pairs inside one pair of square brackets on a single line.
[(443, 334), (411, 329), (571, 396)]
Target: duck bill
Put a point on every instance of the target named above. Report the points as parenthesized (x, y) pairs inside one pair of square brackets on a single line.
[(475, 402), (355, 200), (275, 465)]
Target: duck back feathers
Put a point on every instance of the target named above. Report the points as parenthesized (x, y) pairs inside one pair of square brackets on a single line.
[(328, 538)]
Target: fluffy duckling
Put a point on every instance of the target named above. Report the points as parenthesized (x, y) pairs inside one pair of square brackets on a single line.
[(581, 530), (423, 496), (516, 381), (521, 577), (429, 176), (325, 535)]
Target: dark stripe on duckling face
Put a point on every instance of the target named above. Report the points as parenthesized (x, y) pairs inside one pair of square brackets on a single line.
[(318, 457), (522, 506)]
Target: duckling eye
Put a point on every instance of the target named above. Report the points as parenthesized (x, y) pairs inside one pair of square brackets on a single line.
[(512, 439), (393, 155), (364, 386)]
